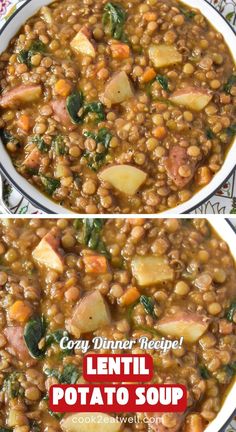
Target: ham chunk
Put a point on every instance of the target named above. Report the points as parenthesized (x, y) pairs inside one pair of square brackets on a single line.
[(19, 95), (48, 253), (61, 114), (33, 159), (177, 159), (17, 346)]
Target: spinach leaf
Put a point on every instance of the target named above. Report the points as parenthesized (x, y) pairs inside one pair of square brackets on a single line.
[(7, 136), (37, 46), (229, 84), (204, 373), (34, 426), (114, 17), (97, 108), (59, 145), (74, 103), (163, 81), (148, 305), (95, 159), (231, 130), (12, 385), (187, 14), (38, 140), (3, 429), (209, 134), (50, 184), (91, 235), (230, 369), (34, 331), (231, 311), (55, 337), (69, 375)]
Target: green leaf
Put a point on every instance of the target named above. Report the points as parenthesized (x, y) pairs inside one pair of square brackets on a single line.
[(37, 46), (114, 18), (148, 305), (90, 235), (163, 81), (94, 159), (34, 426), (231, 311), (69, 375), (229, 84), (12, 385), (23, 57), (204, 373), (97, 108), (50, 184), (209, 134), (38, 140), (58, 145), (229, 16), (55, 337), (230, 369), (233, 210), (74, 103), (3, 429), (231, 130), (34, 331), (188, 14)]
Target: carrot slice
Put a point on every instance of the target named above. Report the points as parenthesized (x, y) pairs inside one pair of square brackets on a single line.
[(20, 311), (120, 51), (96, 264), (24, 122), (148, 75), (63, 87), (130, 296)]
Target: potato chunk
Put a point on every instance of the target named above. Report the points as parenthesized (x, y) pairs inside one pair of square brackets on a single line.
[(21, 94), (48, 253), (33, 159), (189, 325), (149, 270), (164, 55), (125, 178), (118, 89), (90, 314), (82, 45), (193, 98), (68, 424)]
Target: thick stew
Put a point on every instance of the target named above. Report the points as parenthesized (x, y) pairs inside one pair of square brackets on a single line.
[(118, 279), (124, 107)]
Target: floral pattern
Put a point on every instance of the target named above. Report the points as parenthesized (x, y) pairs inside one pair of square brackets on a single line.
[(223, 202)]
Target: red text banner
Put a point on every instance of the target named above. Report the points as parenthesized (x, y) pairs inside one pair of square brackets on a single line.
[(118, 398), (118, 367)]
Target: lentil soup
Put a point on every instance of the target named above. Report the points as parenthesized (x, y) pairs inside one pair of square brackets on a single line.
[(118, 279), (124, 107)]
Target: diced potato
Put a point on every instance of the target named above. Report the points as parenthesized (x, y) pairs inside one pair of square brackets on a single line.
[(164, 55), (48, 253), (149, 270), (125, 178), (90, 314), (189, 325), (82, 45), (68, 423), (22, 94), (118, 88), (194, 98)]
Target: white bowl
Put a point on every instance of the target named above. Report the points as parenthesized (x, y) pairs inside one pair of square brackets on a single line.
[(40, 200)]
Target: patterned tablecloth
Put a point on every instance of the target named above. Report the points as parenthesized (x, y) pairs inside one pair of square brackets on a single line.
[(223, 202)]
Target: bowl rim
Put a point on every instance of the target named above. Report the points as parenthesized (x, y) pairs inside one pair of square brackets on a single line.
[(174, 210)]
